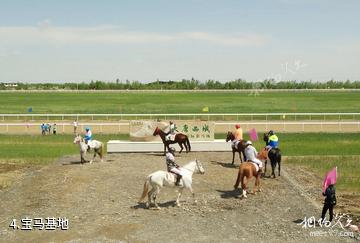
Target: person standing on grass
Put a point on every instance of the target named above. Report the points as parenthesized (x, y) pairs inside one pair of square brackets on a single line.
[(75, 124), (42, 129), (49, 128), (54, 129), (329, 203)]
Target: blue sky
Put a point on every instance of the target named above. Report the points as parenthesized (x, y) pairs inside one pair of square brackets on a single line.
[(74, 41)]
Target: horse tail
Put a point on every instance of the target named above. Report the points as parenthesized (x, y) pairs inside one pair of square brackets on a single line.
[(146, 189), (279, 156), (101, 151), (239, 177), (243, 185), (188, 143)]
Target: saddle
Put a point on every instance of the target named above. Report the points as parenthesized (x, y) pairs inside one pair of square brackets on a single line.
[(235, 144), (256, 165), (174, 177), (170, 137)]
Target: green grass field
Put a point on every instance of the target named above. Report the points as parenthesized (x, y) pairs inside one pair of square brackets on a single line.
[(44, 149), (180, 102), (321, 151)]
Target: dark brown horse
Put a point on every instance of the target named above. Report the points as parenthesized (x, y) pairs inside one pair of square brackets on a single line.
[(180, 138), (274, 155), (240, 146)]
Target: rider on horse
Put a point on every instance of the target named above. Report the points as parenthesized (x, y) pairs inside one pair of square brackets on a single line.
[(273, 141), (88, 137), (251, 153), (172, 129), (172, 166), (238, 135)]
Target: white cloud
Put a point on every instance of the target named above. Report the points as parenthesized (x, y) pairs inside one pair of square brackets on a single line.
[(44, 32)]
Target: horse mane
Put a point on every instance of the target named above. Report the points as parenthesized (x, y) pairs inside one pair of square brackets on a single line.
[(188, 164)]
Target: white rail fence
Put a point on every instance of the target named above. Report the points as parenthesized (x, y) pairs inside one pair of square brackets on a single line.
[(355, 116), (220, 127)]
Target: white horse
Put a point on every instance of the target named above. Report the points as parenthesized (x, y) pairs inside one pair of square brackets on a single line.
[(160, 178), (96, 145)]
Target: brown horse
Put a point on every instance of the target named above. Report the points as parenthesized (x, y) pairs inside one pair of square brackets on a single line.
[(180, 138), (248, 170), (240, 147)]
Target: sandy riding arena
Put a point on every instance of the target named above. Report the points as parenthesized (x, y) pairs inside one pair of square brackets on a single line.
[(100, 202)]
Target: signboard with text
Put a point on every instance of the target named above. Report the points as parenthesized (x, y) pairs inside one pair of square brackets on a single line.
[(195, 130)]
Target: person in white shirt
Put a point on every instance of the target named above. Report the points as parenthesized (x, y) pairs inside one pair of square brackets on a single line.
[(251, 154)]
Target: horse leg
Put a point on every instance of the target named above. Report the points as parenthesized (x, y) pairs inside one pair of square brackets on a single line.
[(193, 194), (154, 197), (273, 167), (100, 155), (240, 157), (233, 157), (181, 147), (177, 203), (165, 148), (83, 160), (93, 158), (279, 167), (257, 184), (150, 195), (243, 186), (186, 147), (265, 166), (259, 188)]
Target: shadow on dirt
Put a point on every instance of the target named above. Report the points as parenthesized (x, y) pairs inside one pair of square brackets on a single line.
[(74, 163), (223, 164), (230, 194), (161, 205)]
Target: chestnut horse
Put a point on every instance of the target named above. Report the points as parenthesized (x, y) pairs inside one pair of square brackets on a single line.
[(240, 146), (180, 138), (275, 157), (248, 170)]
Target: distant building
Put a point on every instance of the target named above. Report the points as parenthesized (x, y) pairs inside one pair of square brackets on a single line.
[(10, 84)]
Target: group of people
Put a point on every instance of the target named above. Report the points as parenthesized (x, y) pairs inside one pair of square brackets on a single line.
[(273, 142), (250, 151), (46, 129)]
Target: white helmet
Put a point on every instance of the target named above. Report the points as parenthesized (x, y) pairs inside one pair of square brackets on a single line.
[(248, 143)]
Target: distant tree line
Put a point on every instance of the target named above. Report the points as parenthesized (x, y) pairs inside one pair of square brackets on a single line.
[(183, 85)]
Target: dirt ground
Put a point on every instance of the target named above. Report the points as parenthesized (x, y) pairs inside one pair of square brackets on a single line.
[(100, 200)]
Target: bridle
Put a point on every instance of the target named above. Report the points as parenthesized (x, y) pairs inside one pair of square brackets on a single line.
[(197, 167)]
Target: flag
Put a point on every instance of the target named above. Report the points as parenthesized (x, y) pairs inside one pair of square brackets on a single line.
[(30, 109), (205, 109), (253, 134), (330, 178)]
